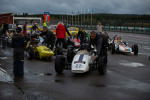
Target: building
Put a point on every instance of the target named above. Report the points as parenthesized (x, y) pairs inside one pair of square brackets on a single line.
[(6, 18)]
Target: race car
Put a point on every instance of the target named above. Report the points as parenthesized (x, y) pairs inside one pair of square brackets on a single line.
[(74, 41), (37, 49), (120, 46), (80, 61), (53, 28), (73, 31)]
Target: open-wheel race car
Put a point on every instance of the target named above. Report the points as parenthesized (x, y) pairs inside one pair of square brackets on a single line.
[(79, 60), (36, 49), (74, 41), (120, 46)]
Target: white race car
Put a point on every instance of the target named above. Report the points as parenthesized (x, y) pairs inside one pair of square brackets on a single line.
[(123, 48), (81, 61)]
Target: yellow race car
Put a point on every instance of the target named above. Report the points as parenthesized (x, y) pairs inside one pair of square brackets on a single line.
[(73, 31), (37, 49), (29, 27)]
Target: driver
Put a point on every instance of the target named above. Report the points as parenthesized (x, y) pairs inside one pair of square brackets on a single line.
[(118, 39), (34, 27), (100, 42)]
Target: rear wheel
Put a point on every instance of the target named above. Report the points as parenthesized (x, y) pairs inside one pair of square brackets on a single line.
[(59, 64), (135, 49), (30, 53), (101, 66), (59, 51), (113, 48), (70, 55)]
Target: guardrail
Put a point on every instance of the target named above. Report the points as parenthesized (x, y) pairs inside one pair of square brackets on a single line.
[(116, 28)]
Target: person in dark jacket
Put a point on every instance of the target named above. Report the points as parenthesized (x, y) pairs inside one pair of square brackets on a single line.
[(61, 35), (49, 37), (34, 27), (100, 41), (67, 31), (18, 43), (81, 35)]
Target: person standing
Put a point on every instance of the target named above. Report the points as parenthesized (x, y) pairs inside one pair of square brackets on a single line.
[(25, 28), (49, 37), (61, 35), (44, 23), (18, 43), (99, 27), (81, 35)]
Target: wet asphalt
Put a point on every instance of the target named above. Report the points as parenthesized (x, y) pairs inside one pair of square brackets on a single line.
[(127, 78)]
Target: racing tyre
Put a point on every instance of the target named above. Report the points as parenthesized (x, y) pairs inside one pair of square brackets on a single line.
[(30, 53), (135, 49), (70, 55), (112, 48), (101, 66), (58, 51), (59, 64)]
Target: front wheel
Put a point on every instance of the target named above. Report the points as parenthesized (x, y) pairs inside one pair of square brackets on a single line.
[(113, 48), (70, 55), (59, 64), (30, 53), (101, 66)]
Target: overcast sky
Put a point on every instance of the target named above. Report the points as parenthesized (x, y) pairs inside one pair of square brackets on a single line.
[(76, 6)]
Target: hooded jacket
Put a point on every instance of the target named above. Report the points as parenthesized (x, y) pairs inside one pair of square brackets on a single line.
[(60, 31), (18, 41)]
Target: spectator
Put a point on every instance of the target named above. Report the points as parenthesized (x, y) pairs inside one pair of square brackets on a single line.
[(81, 35), (44, 23), (25, 28), (61, 35), (99, 27), (18, 43)]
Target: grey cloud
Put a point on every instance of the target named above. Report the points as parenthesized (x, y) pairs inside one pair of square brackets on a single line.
[(69, 6)]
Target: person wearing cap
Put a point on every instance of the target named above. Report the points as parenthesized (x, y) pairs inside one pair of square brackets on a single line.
[(35, 27), (18, 43)]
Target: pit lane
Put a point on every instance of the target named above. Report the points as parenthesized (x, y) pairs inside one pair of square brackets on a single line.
[(127, 76)]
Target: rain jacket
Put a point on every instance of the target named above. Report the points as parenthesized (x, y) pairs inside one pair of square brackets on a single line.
[(60, 31)]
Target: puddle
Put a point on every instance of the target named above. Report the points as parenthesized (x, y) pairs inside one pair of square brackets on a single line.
[(3, 58), (43, 74), (4, 77), (132, 64)]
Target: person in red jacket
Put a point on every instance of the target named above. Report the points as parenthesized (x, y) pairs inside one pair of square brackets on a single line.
[(25, 28), (61, 35)]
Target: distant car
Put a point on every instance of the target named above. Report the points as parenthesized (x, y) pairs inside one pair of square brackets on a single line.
[(122, 47), (53, 28), (79, 60), (73, 31), (37, 49)]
